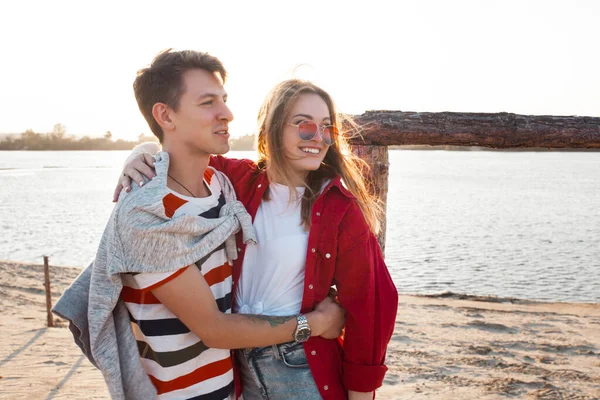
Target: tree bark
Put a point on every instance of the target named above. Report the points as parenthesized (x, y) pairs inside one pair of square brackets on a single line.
[(501, 130)]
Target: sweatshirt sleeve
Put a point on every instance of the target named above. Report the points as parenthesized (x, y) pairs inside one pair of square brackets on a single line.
[(367, 292)]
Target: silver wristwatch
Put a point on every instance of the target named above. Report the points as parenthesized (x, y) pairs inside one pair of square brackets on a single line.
[(302, 329)]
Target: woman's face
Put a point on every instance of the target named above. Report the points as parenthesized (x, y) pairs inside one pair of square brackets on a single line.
[(305, 155)]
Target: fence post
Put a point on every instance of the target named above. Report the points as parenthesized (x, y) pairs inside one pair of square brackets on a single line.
[(48, 292)]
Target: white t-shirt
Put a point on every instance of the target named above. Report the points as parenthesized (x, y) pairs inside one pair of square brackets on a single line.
[(272, 280)]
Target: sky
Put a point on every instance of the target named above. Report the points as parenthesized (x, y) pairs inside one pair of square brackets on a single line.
[(74, 62)]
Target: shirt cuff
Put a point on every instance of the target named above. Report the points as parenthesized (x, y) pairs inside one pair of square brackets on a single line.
[(363, 378)]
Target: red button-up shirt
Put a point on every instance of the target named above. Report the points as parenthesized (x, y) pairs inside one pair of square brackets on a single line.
[(342, 251)]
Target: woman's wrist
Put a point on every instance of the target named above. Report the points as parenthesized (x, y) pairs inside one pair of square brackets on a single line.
[(315, 321), (148, 147), (144, 148)]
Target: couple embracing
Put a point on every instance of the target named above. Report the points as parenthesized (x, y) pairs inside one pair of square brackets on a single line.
[(222, 278)]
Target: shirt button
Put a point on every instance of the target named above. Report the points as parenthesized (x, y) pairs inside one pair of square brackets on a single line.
[(314, 353), (310, 286), (318, 214), (326, 387), (327, 255), (239, 249), (313, 249), (259, 185)]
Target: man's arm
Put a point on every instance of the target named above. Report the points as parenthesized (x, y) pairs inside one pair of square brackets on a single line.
[(189, 297)]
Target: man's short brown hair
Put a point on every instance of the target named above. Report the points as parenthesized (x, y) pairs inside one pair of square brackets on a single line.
[(162, 81)]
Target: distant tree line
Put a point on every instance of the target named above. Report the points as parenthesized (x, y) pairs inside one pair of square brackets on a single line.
[(59, 140), (243, 143)]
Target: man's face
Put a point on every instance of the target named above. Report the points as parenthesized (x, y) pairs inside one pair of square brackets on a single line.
[(201, 121)]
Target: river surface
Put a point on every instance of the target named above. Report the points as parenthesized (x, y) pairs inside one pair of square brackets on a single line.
[(523, 224)]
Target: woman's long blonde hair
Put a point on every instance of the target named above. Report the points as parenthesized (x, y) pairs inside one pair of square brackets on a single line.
[(339, 160)]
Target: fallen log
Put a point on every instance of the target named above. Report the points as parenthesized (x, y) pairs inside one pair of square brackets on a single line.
[(499, 130)]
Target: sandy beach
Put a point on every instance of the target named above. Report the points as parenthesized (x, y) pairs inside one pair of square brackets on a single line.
[(444, 347)]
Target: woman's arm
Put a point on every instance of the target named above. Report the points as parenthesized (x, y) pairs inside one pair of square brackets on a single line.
[(138, 164), (367, 293), (147, 147), (189, 297)]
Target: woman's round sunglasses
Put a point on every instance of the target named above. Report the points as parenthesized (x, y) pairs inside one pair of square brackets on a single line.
[(308, 130)]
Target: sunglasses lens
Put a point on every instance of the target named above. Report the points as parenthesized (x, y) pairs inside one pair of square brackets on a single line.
[(307, 130), (329, 134)]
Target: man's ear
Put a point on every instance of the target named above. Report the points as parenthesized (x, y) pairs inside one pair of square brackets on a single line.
[(160, 112)]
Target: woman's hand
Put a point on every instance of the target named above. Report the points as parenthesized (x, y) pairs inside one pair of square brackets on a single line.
[(136, 167), (332, 321), (352, 395)]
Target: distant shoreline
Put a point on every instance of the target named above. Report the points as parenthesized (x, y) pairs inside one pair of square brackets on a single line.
[(493, 299), (30, 140), (404, 148), (442, 295)]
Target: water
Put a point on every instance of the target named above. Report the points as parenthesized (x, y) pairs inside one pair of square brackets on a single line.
[(523, 225)]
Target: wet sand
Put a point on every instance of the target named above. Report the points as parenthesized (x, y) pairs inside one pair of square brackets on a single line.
[(444, 347)]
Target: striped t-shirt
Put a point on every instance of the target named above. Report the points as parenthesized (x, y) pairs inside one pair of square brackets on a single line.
[(179, 365)]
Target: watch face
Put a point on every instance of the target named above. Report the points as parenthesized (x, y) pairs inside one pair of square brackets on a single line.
[(303, 334)]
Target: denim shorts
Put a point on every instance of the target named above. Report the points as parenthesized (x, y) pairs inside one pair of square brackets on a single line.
[(276, 372)]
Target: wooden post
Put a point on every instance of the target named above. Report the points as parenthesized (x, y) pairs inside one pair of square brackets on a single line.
[(48, 292), (376, 158), (380, 129)]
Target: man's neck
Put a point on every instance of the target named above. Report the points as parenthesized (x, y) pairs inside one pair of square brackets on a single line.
[(186, 171)]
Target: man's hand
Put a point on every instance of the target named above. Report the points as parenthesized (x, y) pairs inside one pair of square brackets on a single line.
[(136, 167), (331, 320)]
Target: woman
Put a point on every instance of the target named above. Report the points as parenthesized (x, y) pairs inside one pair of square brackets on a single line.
[(313, 233)]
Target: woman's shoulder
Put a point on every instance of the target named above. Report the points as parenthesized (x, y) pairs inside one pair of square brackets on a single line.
[(342, 202), (335, 188), (230, 166)]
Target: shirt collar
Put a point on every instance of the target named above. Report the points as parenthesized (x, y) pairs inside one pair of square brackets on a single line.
[(337, 183)]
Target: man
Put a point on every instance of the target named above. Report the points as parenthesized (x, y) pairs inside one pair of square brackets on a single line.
[(164, 258)]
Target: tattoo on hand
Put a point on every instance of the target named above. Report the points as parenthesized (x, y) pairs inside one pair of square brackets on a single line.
[(272, 320)]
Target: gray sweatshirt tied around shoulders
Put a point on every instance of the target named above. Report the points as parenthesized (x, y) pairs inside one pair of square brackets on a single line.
[(140, 238)]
